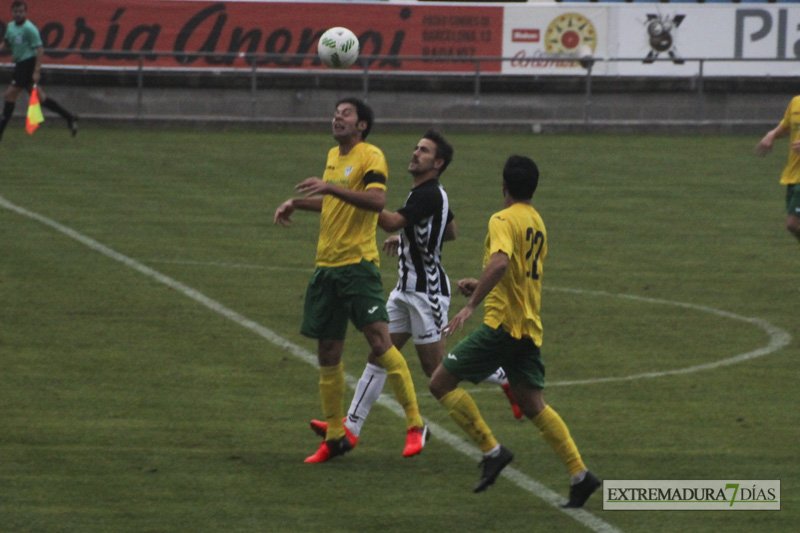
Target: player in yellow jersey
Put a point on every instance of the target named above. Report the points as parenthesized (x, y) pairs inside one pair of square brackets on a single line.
[(790, 125), (346, 285), (510, 336)]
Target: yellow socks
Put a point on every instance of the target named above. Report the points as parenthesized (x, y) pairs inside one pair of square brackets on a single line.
[(463, 410), (556, 433), (331, 390), (400, 378)]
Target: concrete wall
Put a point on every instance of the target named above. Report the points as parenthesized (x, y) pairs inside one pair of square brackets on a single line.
[(533, 105)]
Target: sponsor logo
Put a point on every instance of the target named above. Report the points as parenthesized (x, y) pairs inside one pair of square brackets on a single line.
[(659, 33), (520, 35), (570, 33), (692, 494), (371, 311), (452, 356), (348, 171)]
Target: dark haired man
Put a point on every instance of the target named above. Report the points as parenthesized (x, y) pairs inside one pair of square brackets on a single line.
[(346, 285), (510, 336), (22, 37)]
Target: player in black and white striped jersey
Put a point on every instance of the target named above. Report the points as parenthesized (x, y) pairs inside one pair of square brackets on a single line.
[(419, 303)]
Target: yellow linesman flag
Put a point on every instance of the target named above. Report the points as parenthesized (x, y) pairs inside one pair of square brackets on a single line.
[(35, 116)]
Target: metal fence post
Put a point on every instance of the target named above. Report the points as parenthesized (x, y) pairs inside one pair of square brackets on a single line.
[(365, 80), (587, 104), (139, 85), (477, 93), (253, 88), (700, 96)]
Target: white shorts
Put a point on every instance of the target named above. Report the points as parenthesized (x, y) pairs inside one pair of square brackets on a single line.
[(415, 313)]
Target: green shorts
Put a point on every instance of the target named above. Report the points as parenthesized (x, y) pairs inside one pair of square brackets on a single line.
[(338, 294), (793, 200), (484, 350)]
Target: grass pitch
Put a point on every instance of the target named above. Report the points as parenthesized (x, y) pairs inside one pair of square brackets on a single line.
[(128, 404)]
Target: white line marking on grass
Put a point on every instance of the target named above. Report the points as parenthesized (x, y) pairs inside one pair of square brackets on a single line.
[(223, 264), (537, 489), (166, 280), (778, 338)]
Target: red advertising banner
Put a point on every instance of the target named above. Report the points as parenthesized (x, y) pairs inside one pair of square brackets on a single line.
[(165, 32)]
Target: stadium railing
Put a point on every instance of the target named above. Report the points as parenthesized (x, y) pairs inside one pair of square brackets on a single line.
[(584, 99)]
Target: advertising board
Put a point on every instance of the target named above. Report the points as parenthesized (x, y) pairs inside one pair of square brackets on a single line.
[(642, 39)]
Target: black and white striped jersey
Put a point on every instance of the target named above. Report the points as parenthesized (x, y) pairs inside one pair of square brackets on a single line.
[(427, 212)]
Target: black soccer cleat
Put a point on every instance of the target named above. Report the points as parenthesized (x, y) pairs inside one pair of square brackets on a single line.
[(580, 492), (492, 466)]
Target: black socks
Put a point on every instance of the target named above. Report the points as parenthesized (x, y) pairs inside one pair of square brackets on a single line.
[(8, 110), (52, 105)]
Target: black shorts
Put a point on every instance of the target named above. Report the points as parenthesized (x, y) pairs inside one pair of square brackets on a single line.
[(23, 73)]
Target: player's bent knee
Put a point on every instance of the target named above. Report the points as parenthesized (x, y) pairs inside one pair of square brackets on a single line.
[(442, 382), (378, 338), (434, 386), (379, 346)]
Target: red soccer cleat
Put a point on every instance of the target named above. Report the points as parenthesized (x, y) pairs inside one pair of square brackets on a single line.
[(416, 438), (329, 449), (321, 428)]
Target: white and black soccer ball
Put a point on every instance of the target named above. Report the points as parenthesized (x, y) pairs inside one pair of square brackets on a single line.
[(338, 48)]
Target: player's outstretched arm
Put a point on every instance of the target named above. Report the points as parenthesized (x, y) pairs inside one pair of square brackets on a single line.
[(492, 274), (372, 199), (764, 146), (389, 221), (391, 245), (284, 212)]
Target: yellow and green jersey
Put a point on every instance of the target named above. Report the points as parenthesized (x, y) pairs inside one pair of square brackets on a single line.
[(514, 303), (346, 232), (791, 121)]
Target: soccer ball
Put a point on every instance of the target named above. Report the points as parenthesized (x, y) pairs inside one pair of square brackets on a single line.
[(338, 48)]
